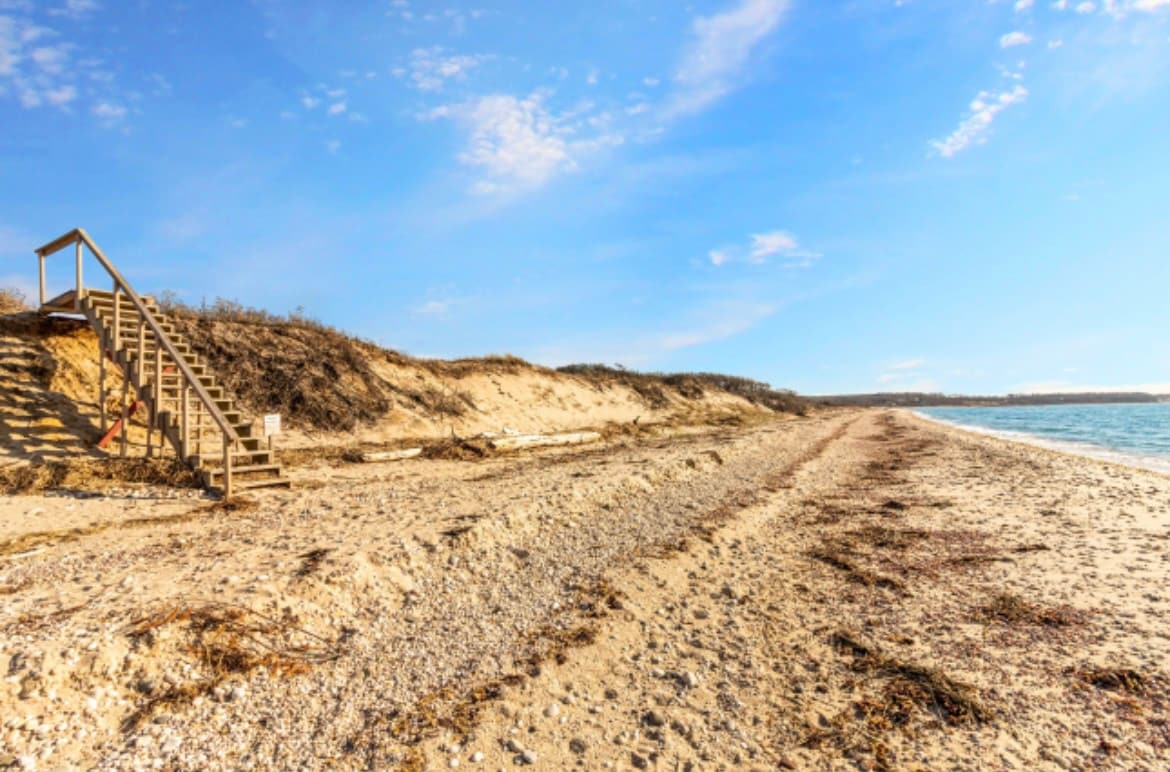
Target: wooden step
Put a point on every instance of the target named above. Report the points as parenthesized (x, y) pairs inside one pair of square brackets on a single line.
[(208, 381), (171, 379), (253, 460), (271, 470), (273, 482), (128, 309), (233, 417), (170, 392), (130, 343), (148, 363), (107, 297), (129, 339)]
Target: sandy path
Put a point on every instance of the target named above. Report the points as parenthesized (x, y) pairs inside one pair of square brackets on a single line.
[(854, 586)]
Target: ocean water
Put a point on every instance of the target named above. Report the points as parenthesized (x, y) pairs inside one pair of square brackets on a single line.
[(1136, 435)]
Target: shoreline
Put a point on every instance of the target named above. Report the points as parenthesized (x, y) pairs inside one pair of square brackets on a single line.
[(1077, 449)]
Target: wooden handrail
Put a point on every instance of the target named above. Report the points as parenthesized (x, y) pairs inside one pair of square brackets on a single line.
[(78, 235), (56, 245)]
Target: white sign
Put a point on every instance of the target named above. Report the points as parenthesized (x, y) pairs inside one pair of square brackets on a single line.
[(271, 424)]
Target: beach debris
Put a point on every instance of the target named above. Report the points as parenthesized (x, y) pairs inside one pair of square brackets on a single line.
[(541, 440), (1007, 608), (390, 455)]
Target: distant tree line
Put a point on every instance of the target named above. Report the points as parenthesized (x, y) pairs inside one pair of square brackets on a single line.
[(919, 399)]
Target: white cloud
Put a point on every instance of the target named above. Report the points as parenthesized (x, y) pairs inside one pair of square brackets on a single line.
[(50, 59), (430, 68), (720, 48), (518, 144), (60, 96), (764, 246), (973, 129), (337, 108), (711, 322), (1023, 5), (1013, 39), (726, 323), (75, 9), (108, 113), (10, 45), (37, 67), (433, 308), (767, 244), (908, 364)]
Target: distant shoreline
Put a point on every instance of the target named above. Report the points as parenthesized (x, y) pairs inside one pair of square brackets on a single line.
[(921, 399)]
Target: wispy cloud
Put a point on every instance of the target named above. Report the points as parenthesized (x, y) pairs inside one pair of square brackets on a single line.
[(108, 113), (432, 308), (908, 364), (763, 247), (518, 144), (37, 64), (984, 109), (721, 46), (724, 323), (711, 323), (1013, 39), (75, 9), (429, 69), (905, 376)]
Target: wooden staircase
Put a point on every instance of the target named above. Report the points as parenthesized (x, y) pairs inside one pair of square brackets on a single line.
[(185, 404)]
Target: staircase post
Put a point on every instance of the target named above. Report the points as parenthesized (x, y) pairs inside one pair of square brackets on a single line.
[(117, 319), (227, 467), (156, 411), (102, 378), (185, 434), (125, 409), (78, 295), (140, 367)]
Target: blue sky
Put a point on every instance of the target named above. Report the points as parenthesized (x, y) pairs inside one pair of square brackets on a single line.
[(855, 196)]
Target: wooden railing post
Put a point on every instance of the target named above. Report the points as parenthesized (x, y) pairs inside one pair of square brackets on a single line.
[(41, 259), (125, 410), (227, 466), (117, 319), (156, 400), (141, 363), (185, 434), (102, 380), (80, 290)]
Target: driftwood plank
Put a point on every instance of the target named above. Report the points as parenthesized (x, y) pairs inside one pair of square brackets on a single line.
[(541, 440), (391, 455)]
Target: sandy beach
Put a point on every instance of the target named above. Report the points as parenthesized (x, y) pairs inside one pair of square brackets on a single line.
[(853, 588)]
